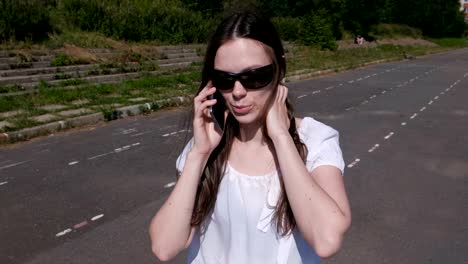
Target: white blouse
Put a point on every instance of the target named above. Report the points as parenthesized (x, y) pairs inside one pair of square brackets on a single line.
[(240, 228)]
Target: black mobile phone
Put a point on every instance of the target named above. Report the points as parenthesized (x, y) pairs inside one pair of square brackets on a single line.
[(217, 110)]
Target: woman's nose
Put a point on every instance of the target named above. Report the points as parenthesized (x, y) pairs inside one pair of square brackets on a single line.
[(238, 91)]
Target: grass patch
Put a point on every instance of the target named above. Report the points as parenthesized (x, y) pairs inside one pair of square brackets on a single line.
[(451, 42)]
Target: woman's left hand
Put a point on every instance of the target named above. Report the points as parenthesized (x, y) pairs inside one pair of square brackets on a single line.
[(277, 119)]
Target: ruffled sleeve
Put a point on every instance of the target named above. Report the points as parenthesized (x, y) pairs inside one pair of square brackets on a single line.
[(322, 143), (180, 163)]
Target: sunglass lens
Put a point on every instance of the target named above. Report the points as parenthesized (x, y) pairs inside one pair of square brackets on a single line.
[(222, 81), (257, 79)]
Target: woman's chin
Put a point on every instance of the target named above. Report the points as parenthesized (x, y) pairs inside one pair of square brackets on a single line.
[(247, 119)]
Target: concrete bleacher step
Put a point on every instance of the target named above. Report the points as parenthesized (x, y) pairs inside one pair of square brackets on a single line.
[(181, 55), (45, 70), (72, 74), (176, 60)]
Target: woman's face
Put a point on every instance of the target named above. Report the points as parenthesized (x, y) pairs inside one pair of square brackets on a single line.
[(239, 55)]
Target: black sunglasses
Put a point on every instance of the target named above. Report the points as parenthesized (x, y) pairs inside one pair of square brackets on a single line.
[(251, 79)]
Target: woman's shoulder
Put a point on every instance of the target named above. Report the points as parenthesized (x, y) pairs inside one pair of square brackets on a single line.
[(310, 129)]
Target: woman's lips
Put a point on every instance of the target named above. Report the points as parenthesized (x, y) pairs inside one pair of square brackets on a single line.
[(242, 109)]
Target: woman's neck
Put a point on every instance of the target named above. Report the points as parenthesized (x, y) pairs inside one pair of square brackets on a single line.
[(252, 134)]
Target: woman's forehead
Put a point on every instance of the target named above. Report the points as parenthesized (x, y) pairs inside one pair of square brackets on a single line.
[(241, 54)]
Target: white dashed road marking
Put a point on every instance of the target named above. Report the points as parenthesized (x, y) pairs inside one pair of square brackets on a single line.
[(3, 183), (403, 124), (97, 217), (422, 109), (389, 135), (414, 115), (169, 185), (73, 162), (354, 163), (301, 96), (12, 165), (64, 232), (374, 148)]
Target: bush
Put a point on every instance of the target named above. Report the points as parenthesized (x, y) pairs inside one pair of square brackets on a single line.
[(136, 20), (288, 27), (395, 31), (316, 30), (25, 19)]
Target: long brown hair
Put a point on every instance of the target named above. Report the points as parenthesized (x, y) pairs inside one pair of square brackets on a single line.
[(252, 26)]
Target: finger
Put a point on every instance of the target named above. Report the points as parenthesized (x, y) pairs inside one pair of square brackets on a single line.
[(204, 93), (204, 108), (284, 93), (280, 94)]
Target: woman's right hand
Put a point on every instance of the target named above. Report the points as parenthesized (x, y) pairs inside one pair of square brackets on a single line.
[(205, 135)]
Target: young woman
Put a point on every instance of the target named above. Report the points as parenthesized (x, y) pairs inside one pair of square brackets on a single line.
[(266, 187)]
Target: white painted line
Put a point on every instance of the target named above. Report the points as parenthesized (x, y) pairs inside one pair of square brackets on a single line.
[(436, 98), (136, 144), (316, 92), (389, 135), (73, 162), (373, 96), (403, 124), (365, 102), (3, 183), (448, 89), (442, 93), (100, 155), (374, 74), (400, 85), (64, 232), (301, 96), (349, 108), (411, 80), (126, 147), (118, 150), (329, 88), (169, 185), (142, 133), (414, 115), (360, 79), (340, 84), (351, 81), (422, 109), (430, 102), (12, 165), (384, 92), (165, 135), (367, 76), (352, 164), (374, 148), (128, 131), (97, 217)]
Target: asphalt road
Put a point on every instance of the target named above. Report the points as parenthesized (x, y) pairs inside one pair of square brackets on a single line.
[(87, 196)]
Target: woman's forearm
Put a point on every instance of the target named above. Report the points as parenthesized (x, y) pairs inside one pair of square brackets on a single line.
[(318, 216), (170, 228)]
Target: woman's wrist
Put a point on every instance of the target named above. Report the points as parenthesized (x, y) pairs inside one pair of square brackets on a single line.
[(198, 156)]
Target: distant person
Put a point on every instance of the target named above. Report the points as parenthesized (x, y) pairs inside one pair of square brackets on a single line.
[(360, 40), (255, 184)]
